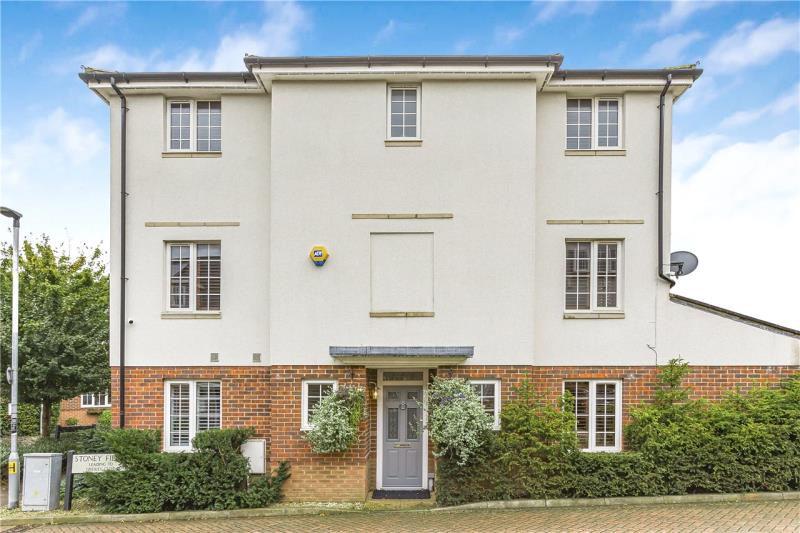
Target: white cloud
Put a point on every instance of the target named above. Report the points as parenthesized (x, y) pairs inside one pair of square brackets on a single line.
[(750, 44), (277, 35), (688, 153), (52, 143), (781, 105), (97, 12), (461, 46), (505, 34), (30, 46), (679, 12), (386, 32), (739, 213), (670, 50), (704, 91)]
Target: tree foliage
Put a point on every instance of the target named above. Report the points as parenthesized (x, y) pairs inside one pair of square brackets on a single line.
[(63, 328)]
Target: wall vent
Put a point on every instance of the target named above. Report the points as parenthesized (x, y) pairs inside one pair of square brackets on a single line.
[(214, 357), (256, 357)]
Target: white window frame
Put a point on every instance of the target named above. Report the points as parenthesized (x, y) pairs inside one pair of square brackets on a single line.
[(305, 425), (595, 105), (93, 395), (192, 411), (192, 278), (418, 89), (593, 409), (593, 277), (497, 396), (192, 124)]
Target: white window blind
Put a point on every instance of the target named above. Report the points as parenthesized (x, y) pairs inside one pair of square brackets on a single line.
[(195, 276), (598, 413), (592, 276)]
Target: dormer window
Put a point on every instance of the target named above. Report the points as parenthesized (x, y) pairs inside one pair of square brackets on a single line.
[(594, 123), (194, 126)]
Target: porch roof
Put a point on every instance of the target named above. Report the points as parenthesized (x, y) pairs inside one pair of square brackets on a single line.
[(400, 355)]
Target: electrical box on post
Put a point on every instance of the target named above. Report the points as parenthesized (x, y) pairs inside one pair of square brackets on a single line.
[(41, 482)]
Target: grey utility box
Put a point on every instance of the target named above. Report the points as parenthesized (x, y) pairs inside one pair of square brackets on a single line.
[(41, 481)]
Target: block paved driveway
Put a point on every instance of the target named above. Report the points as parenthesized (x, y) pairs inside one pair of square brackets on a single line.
[(761, 516)]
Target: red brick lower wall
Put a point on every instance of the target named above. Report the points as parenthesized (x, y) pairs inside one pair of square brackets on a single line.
[(71, 409), (269, 399)]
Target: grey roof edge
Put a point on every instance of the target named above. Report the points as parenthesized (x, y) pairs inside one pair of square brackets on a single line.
[(423, 60), (733, 315), (103, 76), (658, 73), (402, 351)]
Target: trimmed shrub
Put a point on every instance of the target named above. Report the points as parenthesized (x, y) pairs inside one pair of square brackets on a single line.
[(335, 421), (746, 442), (214, 476)]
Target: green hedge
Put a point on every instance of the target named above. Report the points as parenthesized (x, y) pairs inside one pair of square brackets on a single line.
[(746, 442), (214, 476)]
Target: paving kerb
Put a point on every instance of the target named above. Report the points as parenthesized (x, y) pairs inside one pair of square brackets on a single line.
[(318, 510)]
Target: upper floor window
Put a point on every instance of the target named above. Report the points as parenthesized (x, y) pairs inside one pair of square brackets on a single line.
[(593, 276), (194, 125), (195, 276), (488, 390), (404, 112), (594, 123), (313, 393), (97, 399), (598, 413), (190, 407)]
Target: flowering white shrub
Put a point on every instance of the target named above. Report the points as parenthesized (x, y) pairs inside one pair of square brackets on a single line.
[(457, 423), (335, 421)]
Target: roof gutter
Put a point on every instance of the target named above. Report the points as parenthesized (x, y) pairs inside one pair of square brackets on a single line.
[(660, 193), (123, 107)]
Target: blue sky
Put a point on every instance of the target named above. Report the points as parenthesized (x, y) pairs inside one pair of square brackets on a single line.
[(737, 140)]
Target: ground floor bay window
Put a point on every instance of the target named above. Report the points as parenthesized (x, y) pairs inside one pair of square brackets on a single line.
[(598, 413), (190, 407)]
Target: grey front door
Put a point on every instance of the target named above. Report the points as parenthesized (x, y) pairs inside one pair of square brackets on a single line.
[(402, 436)]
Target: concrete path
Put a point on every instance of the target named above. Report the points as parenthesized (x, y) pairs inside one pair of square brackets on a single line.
[(778, 516)]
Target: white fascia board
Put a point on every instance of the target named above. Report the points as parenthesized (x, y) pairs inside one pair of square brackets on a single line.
[(401, 74)]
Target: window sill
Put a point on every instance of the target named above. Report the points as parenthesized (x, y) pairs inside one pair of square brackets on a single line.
[(400, 314), (595, 315), (612, 151), (402, 142), (191, 315), (169, 155)]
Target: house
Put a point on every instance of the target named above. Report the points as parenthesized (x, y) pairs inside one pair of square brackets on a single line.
[(83, 410), (312, 222)]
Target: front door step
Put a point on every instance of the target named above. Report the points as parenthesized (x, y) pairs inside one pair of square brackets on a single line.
[(401, 495)]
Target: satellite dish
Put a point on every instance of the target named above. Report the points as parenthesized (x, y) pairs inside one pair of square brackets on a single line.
[(682, 263)]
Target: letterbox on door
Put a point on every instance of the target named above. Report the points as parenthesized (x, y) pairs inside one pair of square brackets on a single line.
[(41, 482)]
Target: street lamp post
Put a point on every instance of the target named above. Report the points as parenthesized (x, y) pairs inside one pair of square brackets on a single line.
[(13, 457)]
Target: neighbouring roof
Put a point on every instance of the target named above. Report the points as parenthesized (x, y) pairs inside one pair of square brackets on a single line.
[(622, 74), (104, 76), (733, 315)]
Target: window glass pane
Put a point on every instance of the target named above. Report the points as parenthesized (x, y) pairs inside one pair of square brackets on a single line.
[(607, 123), (180, 270), (580, 394), (605, 421), (578, 276), (579, 123), (209, 406), (208, 284), (179, 414), (403, 109), (606, 274), (412, 418), (487, 395), (402, 376), (315, 392), (392, 423), (209, 132)]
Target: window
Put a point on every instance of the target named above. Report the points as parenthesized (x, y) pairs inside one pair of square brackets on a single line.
[(404, 112), (194, 125), (594, 123), (97, 399), (598, 413), (190, 407), (313, 393), (489, 393), (593, 270), (195, 276)]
